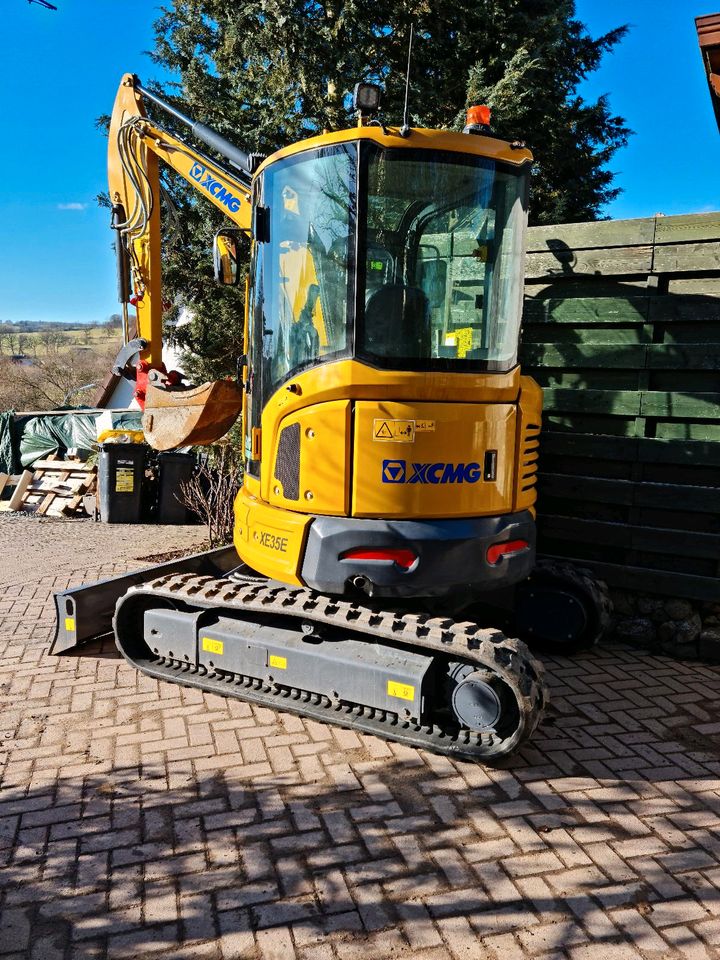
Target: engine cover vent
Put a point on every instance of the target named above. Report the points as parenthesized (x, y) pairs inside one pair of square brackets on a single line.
[(287, 465)]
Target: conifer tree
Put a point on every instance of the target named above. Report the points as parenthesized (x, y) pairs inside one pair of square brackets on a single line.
[(268, 72)]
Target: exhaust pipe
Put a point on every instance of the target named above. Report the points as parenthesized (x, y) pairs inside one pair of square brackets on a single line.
[(364, 584)]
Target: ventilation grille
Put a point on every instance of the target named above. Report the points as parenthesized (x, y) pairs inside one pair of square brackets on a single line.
[(287, 465), (529, 455)]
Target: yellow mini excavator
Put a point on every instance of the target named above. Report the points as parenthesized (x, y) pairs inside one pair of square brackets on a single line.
[(391, 441)]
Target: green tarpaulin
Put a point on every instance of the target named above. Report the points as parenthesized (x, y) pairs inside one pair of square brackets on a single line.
[(42, 436), (23, 440)]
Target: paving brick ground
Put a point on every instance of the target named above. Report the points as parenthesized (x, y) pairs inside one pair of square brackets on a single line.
[(140, 819)]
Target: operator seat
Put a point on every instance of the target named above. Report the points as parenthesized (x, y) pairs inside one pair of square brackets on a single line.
[(397, 322)]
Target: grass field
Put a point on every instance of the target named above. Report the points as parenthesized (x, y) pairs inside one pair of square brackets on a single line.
[(50, 342)]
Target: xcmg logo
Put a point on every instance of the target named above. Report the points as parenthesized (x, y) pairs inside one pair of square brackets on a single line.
[(215, 187), (396, 471)]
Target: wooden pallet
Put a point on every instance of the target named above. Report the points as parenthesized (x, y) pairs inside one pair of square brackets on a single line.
[(54, 488), (7, 481)]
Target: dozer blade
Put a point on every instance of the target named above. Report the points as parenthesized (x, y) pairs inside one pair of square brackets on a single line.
[(85, 613), (190, 416)]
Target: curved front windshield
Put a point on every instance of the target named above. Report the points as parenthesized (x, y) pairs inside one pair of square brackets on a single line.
[(443, 260), (304, 272)]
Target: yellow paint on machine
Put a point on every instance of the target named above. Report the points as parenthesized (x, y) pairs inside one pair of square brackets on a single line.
[(269, 538), (213, 646), (354, 380), (463, 435), (527, 443), (70, 624), (403, 691), (279, 662), (390, 137), (457, 418), (323, 479)]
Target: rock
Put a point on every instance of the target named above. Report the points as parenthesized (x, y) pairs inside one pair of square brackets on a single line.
[(624, 603), (636, 630), (652, 608), (687, 631), (666, 633), (711, 621), (678, 609)]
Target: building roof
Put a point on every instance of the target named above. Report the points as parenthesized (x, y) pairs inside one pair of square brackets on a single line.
[(708, 31)]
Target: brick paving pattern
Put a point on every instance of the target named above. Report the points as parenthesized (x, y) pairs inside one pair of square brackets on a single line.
[(140, 819)]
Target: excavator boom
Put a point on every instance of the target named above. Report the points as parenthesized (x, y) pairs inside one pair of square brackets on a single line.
[(174, 415)]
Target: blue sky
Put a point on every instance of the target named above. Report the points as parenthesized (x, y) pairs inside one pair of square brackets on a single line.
[(61, 71)]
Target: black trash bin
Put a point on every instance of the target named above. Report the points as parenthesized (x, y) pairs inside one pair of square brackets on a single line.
[(121, 471), (174, 470)]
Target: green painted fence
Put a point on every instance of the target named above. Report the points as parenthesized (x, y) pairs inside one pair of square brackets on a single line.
[(622, 330)]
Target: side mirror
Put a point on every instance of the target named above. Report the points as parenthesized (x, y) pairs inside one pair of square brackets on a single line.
[(226, 248)]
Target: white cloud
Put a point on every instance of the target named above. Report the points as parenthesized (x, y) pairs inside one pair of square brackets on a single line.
[(71, 206)]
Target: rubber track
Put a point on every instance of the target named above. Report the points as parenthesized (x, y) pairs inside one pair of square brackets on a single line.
[(594, 590), (490, 649)]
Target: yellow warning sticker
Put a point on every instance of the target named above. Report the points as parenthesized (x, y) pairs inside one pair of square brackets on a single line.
[(424, 426), (124, 480), (279, 662), (462, 339), (403, 691), (400, 431), (212, 646), (70, 624)]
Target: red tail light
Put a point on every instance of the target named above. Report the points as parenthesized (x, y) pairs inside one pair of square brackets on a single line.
[(499, 550), (403, 558)]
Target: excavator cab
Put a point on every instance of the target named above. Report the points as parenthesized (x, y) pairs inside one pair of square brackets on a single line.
[(405, 259), (384, 407)]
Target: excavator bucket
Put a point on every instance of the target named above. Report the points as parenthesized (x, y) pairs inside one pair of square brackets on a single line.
[(190, 416)]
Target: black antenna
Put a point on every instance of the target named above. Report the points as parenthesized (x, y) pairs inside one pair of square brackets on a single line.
[(44, 3), (405, 129)]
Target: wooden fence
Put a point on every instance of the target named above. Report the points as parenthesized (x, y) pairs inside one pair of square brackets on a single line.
[(622, 330)]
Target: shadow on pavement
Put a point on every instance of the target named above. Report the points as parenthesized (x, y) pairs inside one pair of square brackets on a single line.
[(604, 830)]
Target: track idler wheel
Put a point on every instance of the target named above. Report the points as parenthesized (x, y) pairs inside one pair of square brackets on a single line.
[(561, 608), (482, 701)]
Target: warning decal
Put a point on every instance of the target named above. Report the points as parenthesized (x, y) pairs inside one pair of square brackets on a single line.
[(399, 431), (403, 691), (124, 480), (212, 646)]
